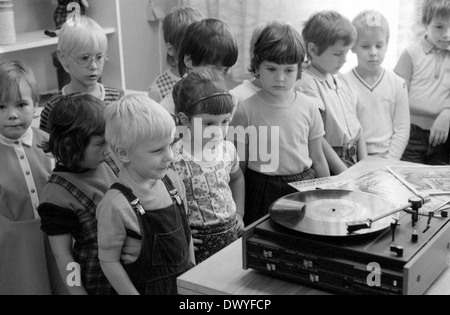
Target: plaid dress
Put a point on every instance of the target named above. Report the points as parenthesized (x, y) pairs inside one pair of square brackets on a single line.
[(85, 251)]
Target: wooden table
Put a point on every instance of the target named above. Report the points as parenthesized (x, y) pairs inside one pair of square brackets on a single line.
[(223, 274)]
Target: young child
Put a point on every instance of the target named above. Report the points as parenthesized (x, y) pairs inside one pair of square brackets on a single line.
[(249, 88), (143, 251), (83, 174), (382, 95), (296, 128), (82, 50), (174, 27), (207, 44), (425, 68), (329, 37), (24, 171), (209, 166)]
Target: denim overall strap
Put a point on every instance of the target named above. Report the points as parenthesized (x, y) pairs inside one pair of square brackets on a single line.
[(165, 239), (85, 250)]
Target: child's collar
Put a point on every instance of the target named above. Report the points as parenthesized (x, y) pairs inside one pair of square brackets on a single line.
[(428, 47), (329, 79), (319, 75), (26, 139)]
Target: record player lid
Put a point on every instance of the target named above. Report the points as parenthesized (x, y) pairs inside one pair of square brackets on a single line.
[(327, 212)]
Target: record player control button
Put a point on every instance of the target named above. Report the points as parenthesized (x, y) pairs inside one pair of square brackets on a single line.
[(271, 267), (397, 250), (268, 254), (308, 264), (314, 278), (415, 237)]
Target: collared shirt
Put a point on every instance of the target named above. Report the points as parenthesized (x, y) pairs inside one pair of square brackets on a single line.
[(427, 68), (17, 194), (337, 103), (18, 145)]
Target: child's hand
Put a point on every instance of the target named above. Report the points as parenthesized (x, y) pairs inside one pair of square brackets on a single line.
[(240, 226), (85, 3), (440, 130), (196, 241)]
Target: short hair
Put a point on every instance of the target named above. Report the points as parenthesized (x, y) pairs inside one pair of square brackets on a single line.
[(135, 119), (435, 9), (255, 35), (175, 25), (208, 42), (86, 34), (279, 43), (326, 28), (372, 22), (202, 93), (13, 74), (75, 119)]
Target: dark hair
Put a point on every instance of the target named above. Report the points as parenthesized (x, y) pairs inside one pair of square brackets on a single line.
[(72, 123), (324, 29), (208, 42), (279, 43), (175, 25), (435, 8), (202, 93)]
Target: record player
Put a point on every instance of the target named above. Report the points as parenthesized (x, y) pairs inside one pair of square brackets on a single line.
[(350, 242)]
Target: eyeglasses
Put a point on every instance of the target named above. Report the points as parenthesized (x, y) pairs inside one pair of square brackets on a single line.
[(86, 60)]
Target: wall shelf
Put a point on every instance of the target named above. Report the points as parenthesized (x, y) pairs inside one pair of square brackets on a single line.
[(37, 39)]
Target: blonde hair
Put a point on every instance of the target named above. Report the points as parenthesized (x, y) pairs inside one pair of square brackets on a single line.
[(135, 119), (13, 74), (371, 22), (86, 34)]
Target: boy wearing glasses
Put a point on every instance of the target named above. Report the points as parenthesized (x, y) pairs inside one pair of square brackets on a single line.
[(82, 51)]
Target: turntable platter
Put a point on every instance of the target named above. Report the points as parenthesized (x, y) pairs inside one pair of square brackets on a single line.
[(327, 212)]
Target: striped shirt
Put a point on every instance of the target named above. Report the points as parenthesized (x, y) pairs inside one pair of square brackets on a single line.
[(109, 95)]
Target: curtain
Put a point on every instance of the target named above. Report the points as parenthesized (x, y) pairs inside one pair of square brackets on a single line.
[(243, 16)]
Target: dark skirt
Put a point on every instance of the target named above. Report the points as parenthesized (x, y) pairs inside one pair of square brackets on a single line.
[(261, 191)]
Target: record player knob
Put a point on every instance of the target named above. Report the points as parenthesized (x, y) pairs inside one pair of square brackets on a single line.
[(415, 237), (416, 202), (397, 250)]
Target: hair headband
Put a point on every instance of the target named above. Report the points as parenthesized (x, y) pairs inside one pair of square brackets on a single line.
[(213, 96)]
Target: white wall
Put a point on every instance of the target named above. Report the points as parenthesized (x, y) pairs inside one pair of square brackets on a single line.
[(142, 47)]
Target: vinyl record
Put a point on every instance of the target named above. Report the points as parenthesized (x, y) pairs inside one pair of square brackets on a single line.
[(327, 212)]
